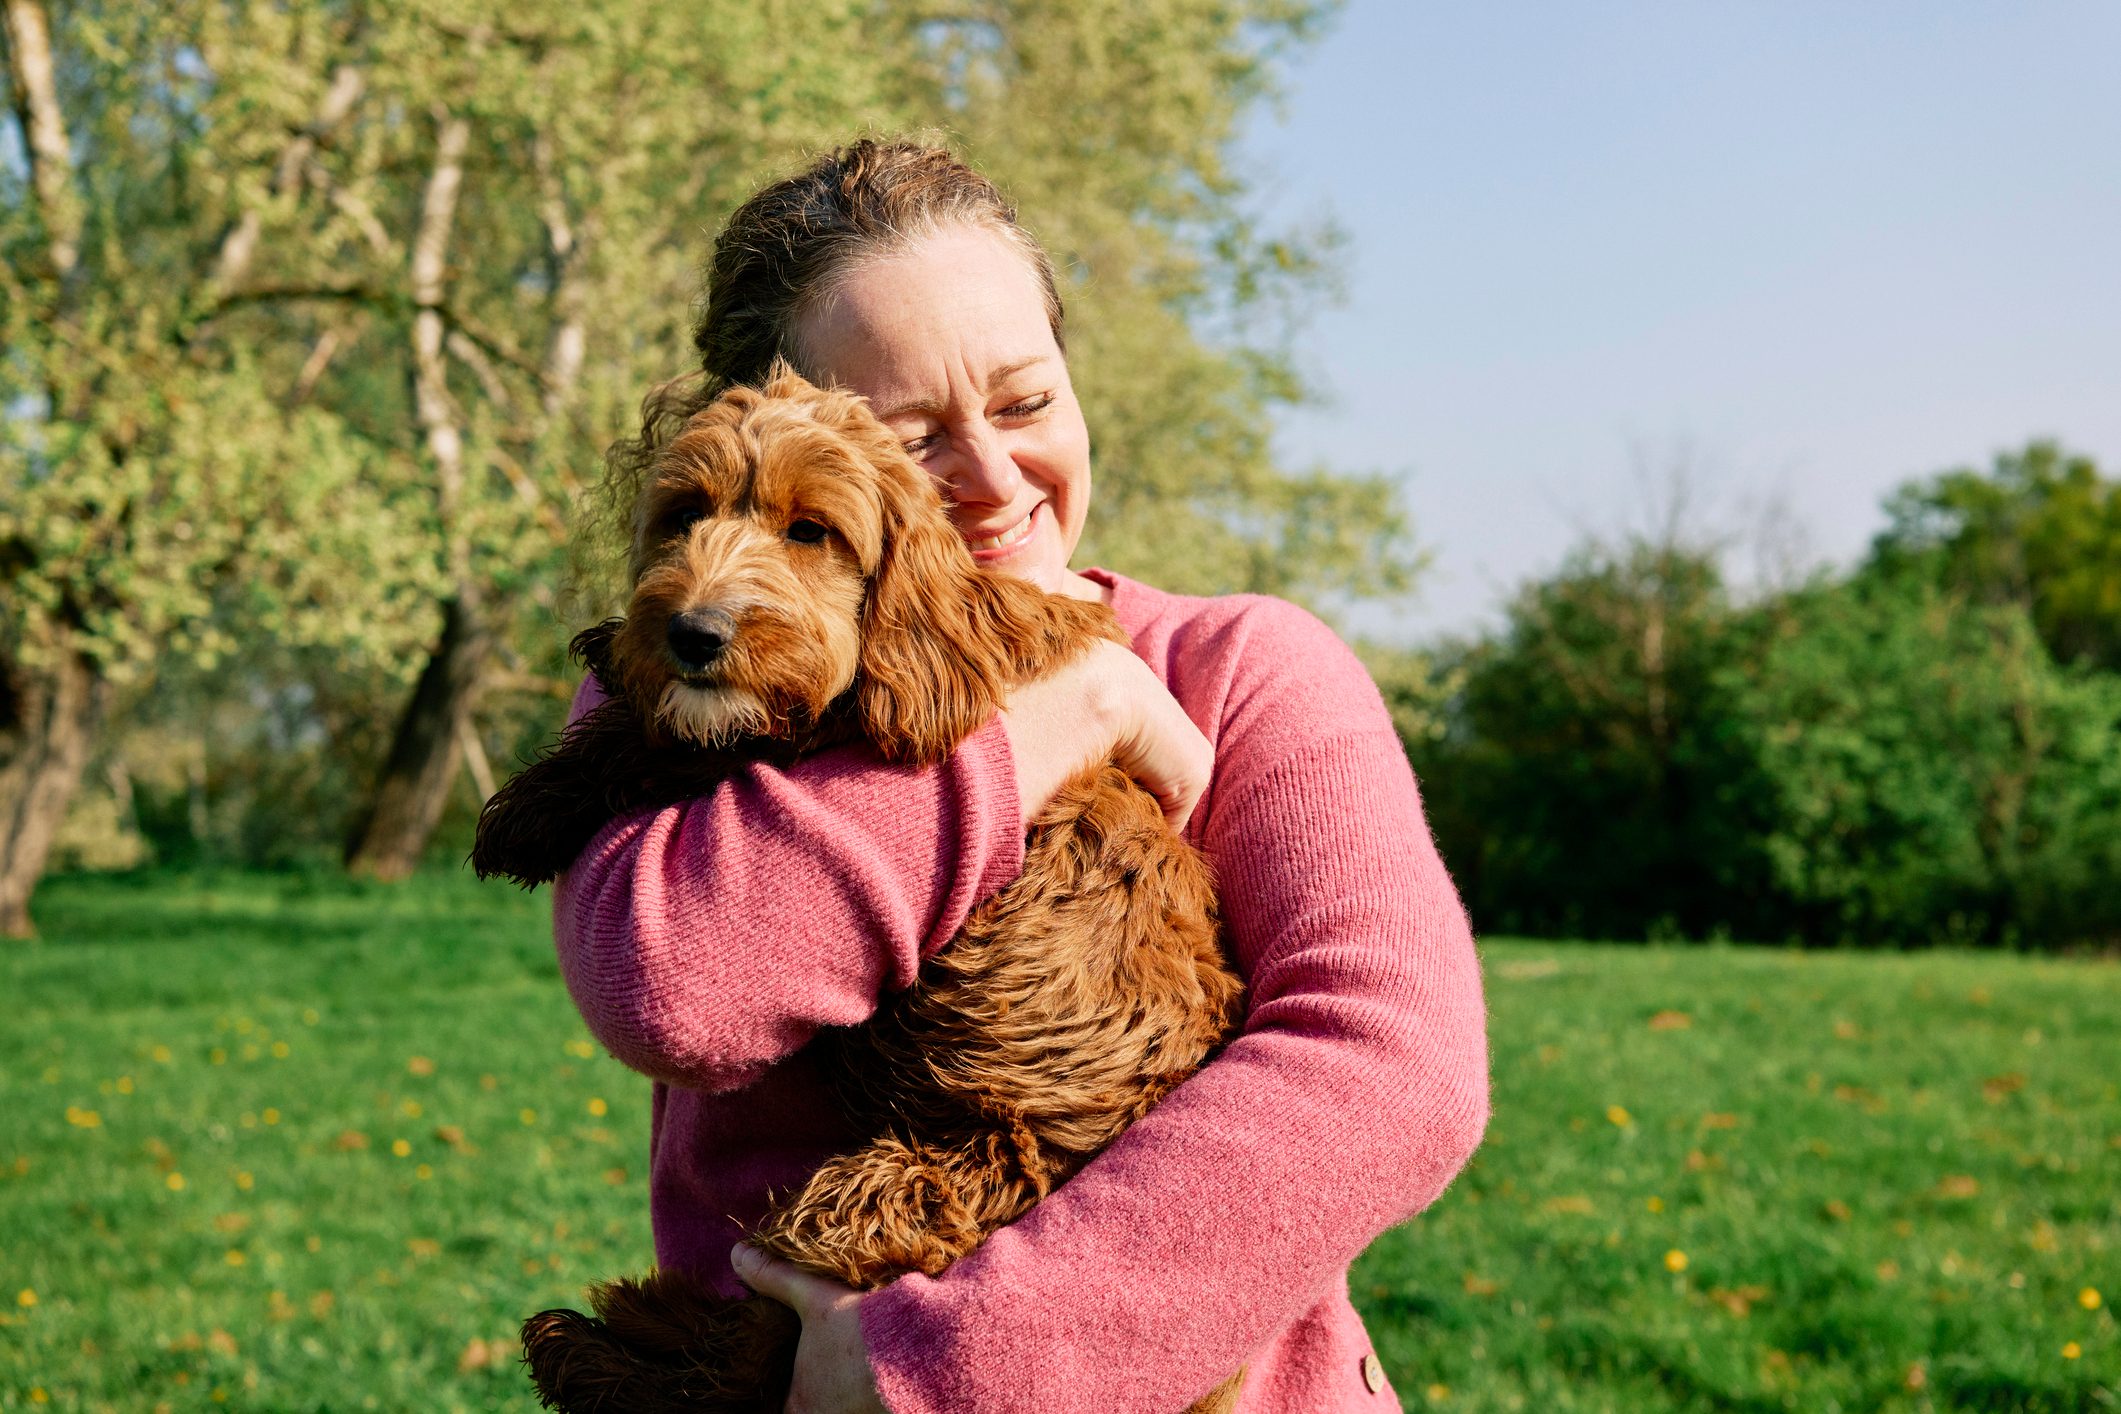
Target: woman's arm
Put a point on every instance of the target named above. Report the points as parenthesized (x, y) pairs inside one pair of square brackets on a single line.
[(1355, 1092), (704, 941)]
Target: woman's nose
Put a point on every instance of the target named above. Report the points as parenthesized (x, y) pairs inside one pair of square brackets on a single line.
[(982, 473)]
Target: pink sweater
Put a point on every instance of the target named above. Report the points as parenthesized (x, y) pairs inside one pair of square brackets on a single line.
[(706, 943)]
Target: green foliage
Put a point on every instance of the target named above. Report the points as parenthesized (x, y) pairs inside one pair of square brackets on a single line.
[(1893, 756), (1930, 772), (214, 470), (1586, 781), (1874, 1165), (2041, 529)]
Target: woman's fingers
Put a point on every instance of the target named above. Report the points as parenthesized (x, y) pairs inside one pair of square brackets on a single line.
[(1106, 705), (783, 1281), (832, 1374), (1167, 754)]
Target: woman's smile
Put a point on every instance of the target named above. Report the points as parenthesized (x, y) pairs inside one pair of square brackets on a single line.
[(1007, 543)]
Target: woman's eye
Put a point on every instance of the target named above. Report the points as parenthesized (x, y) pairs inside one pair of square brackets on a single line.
[(806, 532), (1029, 406)]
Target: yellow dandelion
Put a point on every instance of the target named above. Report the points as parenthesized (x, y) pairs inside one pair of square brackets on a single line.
[(217, 1056), (174, 1182), (420, 1065), (598, 1107), (160, 1055), (1654, 1203), (1675, 1260), (244, 1026), (248, 1120), (279, 1050), (244, 1180), (581, 1049), (235, 1257), (2071, 1350), (528, 1116), (38, 1396), (410, 1109), (1438, 1393), (309, 1016), (83, 1119), (400, 1148), (270, 1115), (424, 1171), (1619, 1116), (313, 1242), (2089, 1298), (125, 1085), (489, 1082), (25, 1297)]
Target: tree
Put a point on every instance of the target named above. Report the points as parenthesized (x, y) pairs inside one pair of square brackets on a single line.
[(1586, 780), (148, 471), (2041, 529), (319, 314), (1929, 773)]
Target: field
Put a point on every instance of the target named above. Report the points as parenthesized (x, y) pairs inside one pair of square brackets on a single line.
[(285, 1143)]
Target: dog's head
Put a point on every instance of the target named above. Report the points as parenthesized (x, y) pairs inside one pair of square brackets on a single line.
[(789, 561)]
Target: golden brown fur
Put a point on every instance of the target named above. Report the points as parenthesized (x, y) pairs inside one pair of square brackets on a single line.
[(845, 606)]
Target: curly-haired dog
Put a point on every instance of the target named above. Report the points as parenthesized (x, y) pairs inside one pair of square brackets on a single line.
[(797, 583)]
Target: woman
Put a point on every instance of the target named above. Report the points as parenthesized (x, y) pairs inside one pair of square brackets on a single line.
[(708, 942)]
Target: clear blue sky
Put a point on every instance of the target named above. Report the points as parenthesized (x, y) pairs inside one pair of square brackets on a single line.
[(1812, 247)]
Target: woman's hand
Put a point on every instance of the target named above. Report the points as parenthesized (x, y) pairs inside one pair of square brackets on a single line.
[(832, 1363), (1106, 705)]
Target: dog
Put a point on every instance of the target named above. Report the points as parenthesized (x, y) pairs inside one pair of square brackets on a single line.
[(796, 585)]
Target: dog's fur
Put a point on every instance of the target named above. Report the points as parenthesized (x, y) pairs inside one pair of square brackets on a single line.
[(1068, 1005)]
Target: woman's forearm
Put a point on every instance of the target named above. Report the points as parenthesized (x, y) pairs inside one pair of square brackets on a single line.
[(704, 941)]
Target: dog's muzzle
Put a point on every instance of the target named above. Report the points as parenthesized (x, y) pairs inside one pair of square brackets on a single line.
[(698, 636)]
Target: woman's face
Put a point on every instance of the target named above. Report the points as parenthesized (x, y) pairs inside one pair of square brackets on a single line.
[(948, 340)]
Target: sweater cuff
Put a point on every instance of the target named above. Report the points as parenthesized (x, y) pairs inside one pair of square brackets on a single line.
[(909, 1358)]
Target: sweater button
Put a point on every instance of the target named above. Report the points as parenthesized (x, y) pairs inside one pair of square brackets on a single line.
[(1373, 1373)]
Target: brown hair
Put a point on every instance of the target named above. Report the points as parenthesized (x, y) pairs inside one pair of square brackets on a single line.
[(786, 250)]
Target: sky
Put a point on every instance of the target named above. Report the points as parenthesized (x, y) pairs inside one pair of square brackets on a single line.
[(1785, 253)]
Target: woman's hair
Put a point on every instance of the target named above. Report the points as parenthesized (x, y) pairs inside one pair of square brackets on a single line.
[(788, 250)]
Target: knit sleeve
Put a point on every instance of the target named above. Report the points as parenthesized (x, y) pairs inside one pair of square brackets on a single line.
[(704, 941), (1355, 1091)]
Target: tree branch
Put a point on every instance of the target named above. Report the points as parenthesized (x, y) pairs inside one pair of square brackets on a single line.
[(565, 346), (430, 372), (240, 244), (51, 156)]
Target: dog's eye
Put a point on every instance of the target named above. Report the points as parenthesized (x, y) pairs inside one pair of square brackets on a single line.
[(806, 532), (680, 519)]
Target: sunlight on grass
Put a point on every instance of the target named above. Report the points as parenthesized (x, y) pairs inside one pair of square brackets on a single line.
[(288, 1143)]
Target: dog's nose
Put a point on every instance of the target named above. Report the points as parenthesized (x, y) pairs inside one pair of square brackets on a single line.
[(698, 636)]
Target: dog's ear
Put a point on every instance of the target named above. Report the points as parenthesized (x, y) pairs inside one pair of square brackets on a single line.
[(929, 677), (942, 643), (592, 649)]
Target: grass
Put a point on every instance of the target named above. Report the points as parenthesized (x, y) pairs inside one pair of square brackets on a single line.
[(1718, 1179)]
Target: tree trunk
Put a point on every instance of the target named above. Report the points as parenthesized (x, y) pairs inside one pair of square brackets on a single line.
[(48, 724), (426, 752), (428, 748)]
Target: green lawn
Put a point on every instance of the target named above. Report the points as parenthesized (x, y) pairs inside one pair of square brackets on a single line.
[(295, 1144)]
